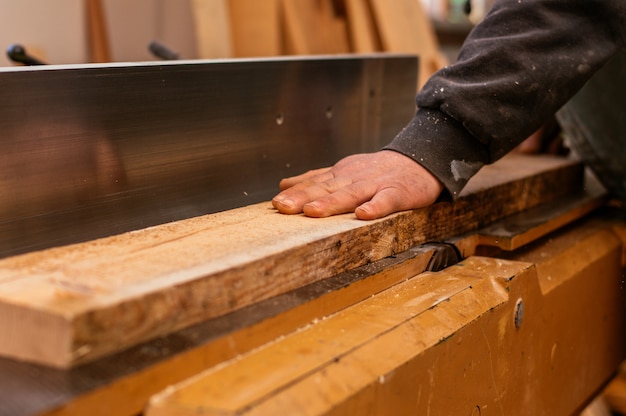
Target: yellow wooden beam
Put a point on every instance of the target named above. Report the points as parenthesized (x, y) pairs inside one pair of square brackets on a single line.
[(485, 336)]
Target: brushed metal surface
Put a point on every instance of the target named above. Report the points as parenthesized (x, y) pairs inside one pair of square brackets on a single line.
[(94, 150)]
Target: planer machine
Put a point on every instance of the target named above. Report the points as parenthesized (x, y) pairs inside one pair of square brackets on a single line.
[(143, 270)]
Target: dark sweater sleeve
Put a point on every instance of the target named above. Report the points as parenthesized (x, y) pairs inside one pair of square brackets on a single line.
[(514, 71)]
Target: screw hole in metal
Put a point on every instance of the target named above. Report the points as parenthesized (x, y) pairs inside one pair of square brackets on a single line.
[(519, 313)]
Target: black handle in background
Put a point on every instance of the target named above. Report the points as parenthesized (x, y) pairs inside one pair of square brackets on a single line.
[(17, 53), (161, 51)]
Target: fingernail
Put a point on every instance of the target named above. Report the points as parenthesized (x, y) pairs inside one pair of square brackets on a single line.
[(285, 202), (364, 212), (362, 209), (313, 204), (312, 208)]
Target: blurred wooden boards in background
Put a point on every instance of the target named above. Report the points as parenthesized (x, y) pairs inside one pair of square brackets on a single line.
[(305, 27), (115, 30), (255, 27), (212, 28), (404, 27), (99, 48)]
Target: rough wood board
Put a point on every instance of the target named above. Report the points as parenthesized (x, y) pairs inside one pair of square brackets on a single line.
[(72, 304), (445, 344)]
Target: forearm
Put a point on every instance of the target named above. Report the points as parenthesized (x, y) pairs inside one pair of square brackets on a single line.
[(516, 69)]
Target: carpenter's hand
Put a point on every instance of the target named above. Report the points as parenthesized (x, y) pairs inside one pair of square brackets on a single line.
[(372, 185)]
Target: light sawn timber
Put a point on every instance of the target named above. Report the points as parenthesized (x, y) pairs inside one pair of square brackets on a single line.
[(72, 304)]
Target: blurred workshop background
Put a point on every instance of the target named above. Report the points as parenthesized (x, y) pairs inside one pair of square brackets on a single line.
[(81, 31)]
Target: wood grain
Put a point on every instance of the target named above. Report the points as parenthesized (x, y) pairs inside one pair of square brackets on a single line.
[(72, 304)]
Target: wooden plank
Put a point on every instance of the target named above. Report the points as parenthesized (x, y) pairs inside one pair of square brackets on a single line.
[(520, 229), (212, 28), (454, 342), (332, 29), (255, 27), (404, 27), (526, 227), (312, 27), (297, 41), (72, 304), (363, 34), (97, 30)]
